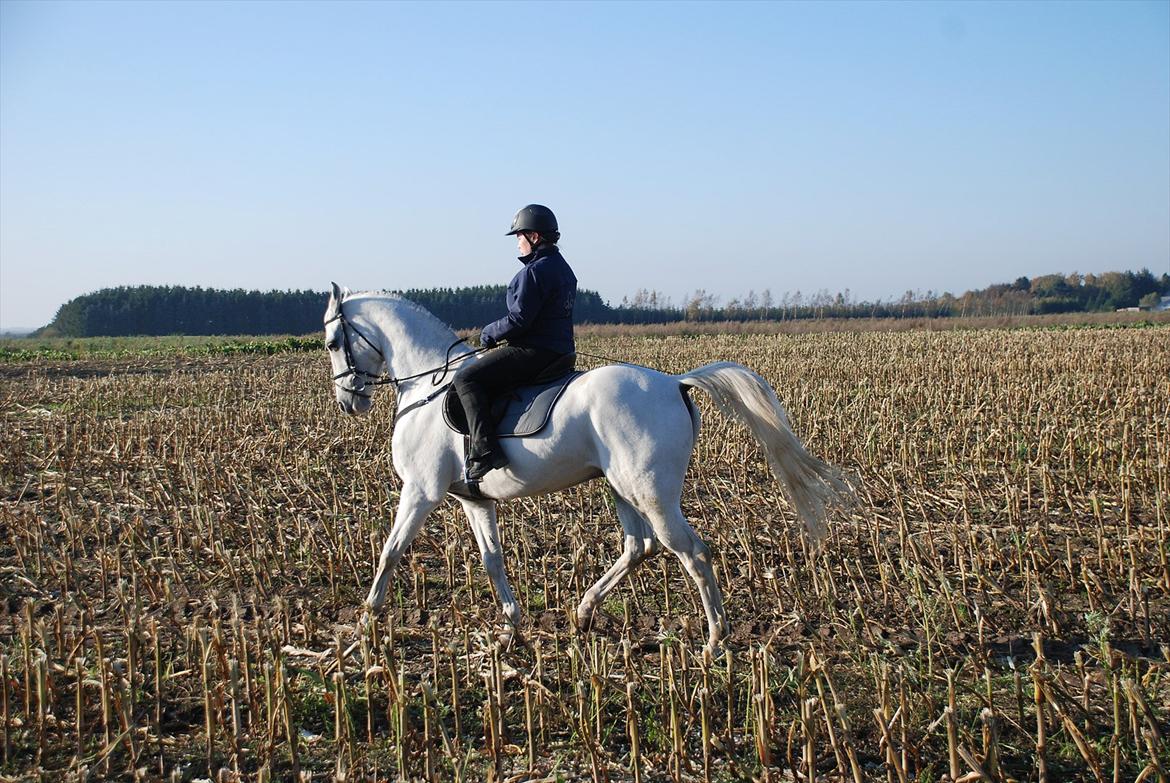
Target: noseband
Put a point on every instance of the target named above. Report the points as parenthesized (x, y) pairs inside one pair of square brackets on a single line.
[(369, 379)]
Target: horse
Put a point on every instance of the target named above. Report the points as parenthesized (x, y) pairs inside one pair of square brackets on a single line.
[(632, 425)]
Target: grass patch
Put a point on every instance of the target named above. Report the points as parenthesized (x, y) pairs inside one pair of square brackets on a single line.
[(13, 350)]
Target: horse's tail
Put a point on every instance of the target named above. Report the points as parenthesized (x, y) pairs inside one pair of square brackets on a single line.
[(813, 486)]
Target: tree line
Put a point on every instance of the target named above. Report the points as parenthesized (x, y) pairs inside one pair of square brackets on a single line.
[(170, 310), (1044, 295)]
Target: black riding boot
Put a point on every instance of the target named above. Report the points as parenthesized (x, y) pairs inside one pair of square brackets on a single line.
[(484, 453), (496, 372)]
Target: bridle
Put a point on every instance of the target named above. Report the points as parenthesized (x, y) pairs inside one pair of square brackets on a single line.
[(360, 376), (366, 379)]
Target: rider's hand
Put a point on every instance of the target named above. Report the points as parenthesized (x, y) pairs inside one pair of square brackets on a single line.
[(486, 341)]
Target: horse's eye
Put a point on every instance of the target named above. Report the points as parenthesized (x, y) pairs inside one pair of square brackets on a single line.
[(331, 345)]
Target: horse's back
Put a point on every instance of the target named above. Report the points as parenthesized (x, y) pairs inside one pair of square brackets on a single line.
[(631, 398), (616, 383)]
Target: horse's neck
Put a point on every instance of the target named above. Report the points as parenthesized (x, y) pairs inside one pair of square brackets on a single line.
[(412, 340)]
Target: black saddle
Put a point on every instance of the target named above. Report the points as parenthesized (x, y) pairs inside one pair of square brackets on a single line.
[(522, 412)]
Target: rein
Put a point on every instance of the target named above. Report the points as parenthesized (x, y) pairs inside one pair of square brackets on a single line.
[(369, 379), (612, 360)]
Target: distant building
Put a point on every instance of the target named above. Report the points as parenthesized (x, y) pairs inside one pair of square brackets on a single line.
[(1129, 309), (1163, 305)]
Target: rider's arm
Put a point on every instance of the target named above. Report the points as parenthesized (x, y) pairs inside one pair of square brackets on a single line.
[(524, 307)]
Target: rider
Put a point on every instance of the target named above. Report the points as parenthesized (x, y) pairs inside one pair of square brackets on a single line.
[(538, 329)]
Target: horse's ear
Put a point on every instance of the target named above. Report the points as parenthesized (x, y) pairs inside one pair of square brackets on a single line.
[(336, 295)]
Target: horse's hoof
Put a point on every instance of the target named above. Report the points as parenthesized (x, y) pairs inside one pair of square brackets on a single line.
[(508, 637), (714, 650)]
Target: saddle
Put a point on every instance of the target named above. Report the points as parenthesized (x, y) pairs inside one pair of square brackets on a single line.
[(522, 412)]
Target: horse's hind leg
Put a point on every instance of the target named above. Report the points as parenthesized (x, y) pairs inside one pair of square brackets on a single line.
[(676, 534), (482, 516), (639, 544)]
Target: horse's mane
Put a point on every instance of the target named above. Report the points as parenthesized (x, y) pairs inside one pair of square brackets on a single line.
[(401, 300)]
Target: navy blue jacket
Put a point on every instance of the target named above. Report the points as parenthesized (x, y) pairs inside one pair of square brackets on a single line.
[(540, 304)]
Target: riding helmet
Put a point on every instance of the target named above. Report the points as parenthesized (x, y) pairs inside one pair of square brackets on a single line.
[(534, 217)]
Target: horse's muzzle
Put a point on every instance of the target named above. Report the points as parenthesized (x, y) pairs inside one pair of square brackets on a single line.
[(353, 406)]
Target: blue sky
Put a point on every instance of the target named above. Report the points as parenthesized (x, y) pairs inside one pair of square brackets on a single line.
[(730, 147)]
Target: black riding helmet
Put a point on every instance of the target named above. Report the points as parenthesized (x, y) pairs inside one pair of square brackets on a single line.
[(535, 217)]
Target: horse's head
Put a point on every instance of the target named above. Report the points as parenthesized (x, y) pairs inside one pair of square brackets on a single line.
[(356, 360)]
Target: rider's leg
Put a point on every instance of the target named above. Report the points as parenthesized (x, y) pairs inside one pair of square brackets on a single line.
[(475, 397), (477, 382)]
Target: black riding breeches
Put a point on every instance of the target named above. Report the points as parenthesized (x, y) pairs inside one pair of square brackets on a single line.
[(497, 371)]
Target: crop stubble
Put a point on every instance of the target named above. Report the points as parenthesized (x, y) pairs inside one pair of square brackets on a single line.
[(185, 544)]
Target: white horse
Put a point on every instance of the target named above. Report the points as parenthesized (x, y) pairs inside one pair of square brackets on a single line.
[(634, 426)]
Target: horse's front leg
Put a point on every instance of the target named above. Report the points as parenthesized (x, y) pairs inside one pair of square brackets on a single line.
[(482, 516), (413, 506)]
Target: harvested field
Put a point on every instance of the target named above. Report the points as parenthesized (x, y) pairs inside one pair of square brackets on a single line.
[(185, 544)]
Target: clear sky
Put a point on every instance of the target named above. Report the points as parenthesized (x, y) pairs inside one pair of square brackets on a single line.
[(730, 147)]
